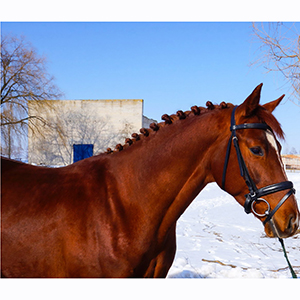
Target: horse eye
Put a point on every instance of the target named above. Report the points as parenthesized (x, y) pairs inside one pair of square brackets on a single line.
[(257, 151)]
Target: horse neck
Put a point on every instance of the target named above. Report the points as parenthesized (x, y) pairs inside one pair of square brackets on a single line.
[(165, 171)]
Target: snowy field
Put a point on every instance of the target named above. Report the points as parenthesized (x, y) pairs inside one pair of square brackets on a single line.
[(217, 239)]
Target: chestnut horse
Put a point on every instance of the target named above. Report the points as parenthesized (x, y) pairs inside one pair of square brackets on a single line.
[(114, 214)]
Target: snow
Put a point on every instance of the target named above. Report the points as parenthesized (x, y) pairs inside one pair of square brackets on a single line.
[(217, 239)]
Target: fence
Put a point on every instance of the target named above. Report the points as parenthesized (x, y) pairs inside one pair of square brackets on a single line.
[(291, 162)]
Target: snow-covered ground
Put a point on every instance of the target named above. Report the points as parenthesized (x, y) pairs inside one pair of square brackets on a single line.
[(217, 239)]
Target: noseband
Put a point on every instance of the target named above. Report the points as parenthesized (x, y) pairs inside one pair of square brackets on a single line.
[(254, 194)]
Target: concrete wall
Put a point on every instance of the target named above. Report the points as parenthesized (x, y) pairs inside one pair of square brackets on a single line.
[(103, 123)]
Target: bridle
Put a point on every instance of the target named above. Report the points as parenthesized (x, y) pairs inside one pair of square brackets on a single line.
[(254, 194)]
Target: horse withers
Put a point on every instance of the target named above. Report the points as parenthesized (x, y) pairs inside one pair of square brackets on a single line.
[(114, 214)]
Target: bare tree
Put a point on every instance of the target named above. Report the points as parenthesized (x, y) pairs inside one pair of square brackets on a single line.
[(280, 48), (23, 78)]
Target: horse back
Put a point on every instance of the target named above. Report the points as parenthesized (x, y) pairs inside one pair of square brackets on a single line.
[(48, 219)]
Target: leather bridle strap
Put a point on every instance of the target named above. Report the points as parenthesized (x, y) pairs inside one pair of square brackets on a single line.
[(271, 214), (243, 169)]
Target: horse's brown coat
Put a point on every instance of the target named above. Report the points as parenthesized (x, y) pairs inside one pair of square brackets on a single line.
[(114, 214)]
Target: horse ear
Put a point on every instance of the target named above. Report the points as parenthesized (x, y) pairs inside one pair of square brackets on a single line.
[(273, 104), (251, 103)]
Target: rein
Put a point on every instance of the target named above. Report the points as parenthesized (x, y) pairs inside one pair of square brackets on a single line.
[(255, 194), (287, 260)]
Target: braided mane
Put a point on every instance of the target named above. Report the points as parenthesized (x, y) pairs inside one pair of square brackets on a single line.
[(168, 120)]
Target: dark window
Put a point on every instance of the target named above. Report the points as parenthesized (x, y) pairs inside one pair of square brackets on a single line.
[(82, 151)]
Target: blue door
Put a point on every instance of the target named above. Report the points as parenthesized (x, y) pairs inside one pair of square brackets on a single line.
[(82, 151)]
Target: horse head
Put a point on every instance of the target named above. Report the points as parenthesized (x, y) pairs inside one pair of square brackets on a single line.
[(253, 171)]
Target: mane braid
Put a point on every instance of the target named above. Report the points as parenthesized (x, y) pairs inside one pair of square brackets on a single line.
[(168, 120)]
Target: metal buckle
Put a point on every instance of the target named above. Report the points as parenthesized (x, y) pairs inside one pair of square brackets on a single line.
[(267, 212)]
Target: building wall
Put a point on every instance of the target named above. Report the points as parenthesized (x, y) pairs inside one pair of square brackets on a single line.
[(103, 123)]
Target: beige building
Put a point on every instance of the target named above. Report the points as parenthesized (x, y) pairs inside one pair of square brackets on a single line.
[(80, 128)]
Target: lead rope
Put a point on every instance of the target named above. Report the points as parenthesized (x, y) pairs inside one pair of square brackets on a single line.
[(286, 257)]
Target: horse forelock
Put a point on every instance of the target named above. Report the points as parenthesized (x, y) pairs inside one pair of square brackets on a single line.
[(267, 117), (168, 120)]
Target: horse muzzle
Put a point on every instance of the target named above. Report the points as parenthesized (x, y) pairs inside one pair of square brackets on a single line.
[(288, 229), (261, 208)]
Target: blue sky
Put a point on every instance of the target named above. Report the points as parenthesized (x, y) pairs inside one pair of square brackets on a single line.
[(171, 66)]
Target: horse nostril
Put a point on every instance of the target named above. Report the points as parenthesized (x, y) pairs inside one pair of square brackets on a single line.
[(292, 225)]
